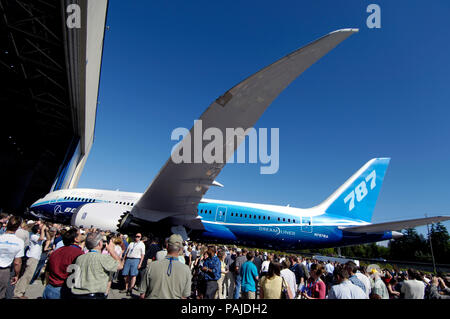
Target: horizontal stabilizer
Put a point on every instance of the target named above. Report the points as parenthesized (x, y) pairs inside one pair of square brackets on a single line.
[(398, 225)]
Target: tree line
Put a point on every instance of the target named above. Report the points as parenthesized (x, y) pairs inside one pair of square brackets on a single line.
[(412, 247)]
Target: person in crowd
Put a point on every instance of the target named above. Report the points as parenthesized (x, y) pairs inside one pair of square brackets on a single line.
[(413, 287), (378, 286), (92, 271), (221, 291), (299, 273), (194, 255), (361, 274), (352, 269), (249, 276), (272, 284), (344, 289), (230, 279), (167, 278), (133, 261), (438, 289), (58, 263), (211, 270), (265, 265), (289, 276), (23, 233), (47, 248), (3, 222), (198, 279), (237, 269), (391, 287), (315, 286), (33, 255), (258, 260), (11, 253)]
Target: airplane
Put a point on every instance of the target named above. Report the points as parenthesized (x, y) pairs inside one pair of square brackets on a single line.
[(174, 202)]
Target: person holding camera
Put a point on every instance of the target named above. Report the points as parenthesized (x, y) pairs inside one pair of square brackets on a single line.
[(92, 270)]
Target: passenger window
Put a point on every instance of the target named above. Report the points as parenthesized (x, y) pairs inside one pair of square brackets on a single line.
[(245, 215), (289, 220), (268, 217), (241, 215), (284, 219), (293, 220), (259, 217), (264, 217), (278, 218)]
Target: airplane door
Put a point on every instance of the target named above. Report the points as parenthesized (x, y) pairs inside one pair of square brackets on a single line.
[(221, 214), (307, 224)]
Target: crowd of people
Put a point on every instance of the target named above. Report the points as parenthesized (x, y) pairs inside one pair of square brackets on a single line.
[(76, 263)]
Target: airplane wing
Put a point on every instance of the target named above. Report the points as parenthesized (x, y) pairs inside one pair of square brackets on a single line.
[(398, 225), (178, 188)]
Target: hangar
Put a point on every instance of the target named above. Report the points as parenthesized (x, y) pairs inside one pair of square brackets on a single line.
[(50, 78)]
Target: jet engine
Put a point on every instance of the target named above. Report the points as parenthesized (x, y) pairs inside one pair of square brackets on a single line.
[(104, 216)]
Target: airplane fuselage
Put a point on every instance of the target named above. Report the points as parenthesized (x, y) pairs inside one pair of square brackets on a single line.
[(248, 224)]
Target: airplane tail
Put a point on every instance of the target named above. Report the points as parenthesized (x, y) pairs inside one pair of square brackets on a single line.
[(357, 197)]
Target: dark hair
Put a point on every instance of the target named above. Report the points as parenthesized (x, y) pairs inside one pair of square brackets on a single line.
[(341, 272), (286, 264), (35, 229), (274, 269), (250, 255), (318, 269), (220, 254), (14, 223), (69, 236), (413, 274), (212, 247), (351, 267)]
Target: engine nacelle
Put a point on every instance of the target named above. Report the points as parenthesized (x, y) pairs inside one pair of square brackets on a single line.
[(104, 216)]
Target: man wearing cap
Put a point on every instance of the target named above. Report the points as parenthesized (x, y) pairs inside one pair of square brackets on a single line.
[(167, 278)]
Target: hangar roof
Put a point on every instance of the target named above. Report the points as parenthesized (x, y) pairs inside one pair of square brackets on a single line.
[(51, 77)]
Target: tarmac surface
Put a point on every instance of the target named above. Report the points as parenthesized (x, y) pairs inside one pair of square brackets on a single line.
[(35, 291)]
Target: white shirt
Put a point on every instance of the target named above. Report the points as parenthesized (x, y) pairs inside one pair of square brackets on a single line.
[(346, 290), (366, 282), (35, 250), (329, 268), (413, 289), (289, 277), (136, 250), (11, 247), (118, 250), (24, 235), (265, 266)]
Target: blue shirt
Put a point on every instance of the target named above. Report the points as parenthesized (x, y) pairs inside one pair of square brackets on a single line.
[(249, 272), (357, 282), (213, 264)]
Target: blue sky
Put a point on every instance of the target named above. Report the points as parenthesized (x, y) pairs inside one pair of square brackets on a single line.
[(381, 93)]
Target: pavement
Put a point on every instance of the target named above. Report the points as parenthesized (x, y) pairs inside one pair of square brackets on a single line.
[(35, 291)]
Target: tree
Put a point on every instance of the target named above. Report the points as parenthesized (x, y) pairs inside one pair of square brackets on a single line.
[(440, 240), (411, 247)]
